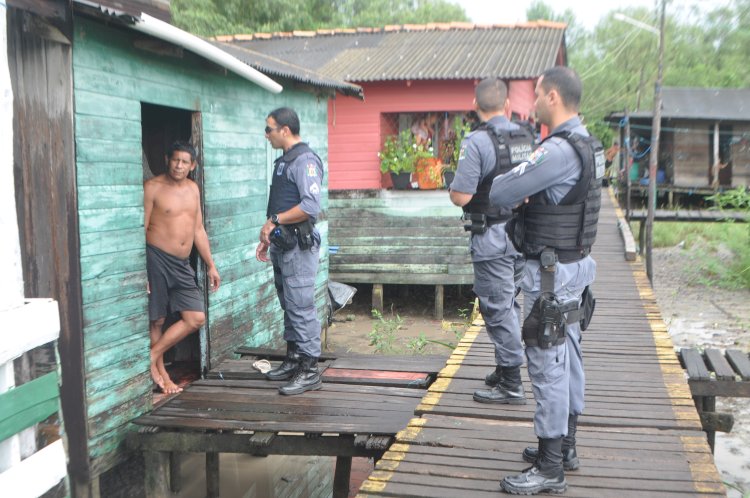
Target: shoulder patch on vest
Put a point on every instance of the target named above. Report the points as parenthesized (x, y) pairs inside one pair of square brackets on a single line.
[(538, 155)]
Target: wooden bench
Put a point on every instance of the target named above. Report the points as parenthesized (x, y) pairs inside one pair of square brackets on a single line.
[(712, 374)]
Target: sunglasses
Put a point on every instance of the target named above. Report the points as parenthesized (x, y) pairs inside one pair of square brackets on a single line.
[(269, 129)]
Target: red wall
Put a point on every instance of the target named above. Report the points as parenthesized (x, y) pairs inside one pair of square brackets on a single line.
[(354, 126)]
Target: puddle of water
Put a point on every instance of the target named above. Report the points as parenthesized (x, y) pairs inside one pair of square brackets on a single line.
[(246, 476), (275, 476)]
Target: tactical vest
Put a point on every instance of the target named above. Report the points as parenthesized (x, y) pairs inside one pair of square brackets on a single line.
[(570, 226), (284, 194), (512, 147)]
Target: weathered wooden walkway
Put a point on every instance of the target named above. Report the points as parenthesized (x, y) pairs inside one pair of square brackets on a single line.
[(640, 435), (365, 401)]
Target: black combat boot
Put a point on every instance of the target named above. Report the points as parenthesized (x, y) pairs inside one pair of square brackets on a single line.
[(570, 456), (508, 392), (546, 475), (493, 378), (306, 377), (288, 366)]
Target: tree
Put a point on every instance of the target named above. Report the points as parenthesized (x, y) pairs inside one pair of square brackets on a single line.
[(214, 17)]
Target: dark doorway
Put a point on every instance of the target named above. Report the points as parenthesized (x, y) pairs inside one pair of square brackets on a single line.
[(725, 156), (161, 126)]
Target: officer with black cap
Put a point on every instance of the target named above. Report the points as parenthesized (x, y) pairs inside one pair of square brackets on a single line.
[(493, 148), (293, 206), (558, 192)]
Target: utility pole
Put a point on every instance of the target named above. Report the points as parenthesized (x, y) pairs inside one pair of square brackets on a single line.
[(654, 157), (626, 162)]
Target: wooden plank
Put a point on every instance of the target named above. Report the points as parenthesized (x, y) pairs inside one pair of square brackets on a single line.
[(37, 474), (739, 362), (694, 365), (27, 404), (716, 362)]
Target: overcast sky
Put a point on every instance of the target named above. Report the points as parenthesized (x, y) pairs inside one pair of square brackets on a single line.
[(588, 12)]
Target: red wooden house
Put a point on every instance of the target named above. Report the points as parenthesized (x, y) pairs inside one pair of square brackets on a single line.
[(386, 236)]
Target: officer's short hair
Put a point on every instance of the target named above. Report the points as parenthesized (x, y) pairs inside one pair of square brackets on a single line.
[(182, 146), (491, 94), (284, 116), (567, 83)]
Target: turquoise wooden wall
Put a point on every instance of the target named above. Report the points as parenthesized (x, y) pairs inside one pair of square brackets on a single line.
[(111, 79)]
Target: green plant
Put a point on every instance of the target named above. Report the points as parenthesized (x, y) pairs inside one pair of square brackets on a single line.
[(417, 345), (459, 131), (401, 153), (384, 332)]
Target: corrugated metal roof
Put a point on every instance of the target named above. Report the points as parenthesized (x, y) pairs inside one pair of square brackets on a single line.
[(437, 51), (260, 62), (714, 104), (275, 67)]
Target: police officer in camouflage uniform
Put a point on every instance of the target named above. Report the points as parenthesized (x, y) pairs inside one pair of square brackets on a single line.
[(492, 149), (293, 205), (558, 193)]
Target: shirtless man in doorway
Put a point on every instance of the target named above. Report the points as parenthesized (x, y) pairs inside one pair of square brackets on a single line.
[(174, 222)]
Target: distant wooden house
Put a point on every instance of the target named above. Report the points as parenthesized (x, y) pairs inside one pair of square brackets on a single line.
[(384, 236), (100, 89), (703, 130)]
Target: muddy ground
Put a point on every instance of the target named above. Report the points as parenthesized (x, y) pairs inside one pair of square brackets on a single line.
[(701, 316)]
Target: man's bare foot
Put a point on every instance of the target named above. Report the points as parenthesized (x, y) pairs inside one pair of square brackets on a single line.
[(156, 376), (171, 388)]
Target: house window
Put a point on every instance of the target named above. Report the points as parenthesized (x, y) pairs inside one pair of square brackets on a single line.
[(436, 128)]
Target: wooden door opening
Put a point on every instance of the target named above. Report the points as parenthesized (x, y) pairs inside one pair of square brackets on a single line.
[(161, 126)]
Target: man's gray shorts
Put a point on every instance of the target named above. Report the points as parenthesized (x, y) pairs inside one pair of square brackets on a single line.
[(172, 283)]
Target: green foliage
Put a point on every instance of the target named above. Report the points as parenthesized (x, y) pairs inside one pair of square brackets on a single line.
[(400, 153), (384, 332), (720, 252), (215, 17), (738, 198), (460, 129), (602, 131), (417, 345)]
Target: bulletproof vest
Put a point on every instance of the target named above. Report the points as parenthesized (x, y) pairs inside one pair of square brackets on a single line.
[(512, 147), (284, 194), (570, 226)]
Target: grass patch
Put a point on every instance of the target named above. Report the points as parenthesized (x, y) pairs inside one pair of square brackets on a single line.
[(719, 252)]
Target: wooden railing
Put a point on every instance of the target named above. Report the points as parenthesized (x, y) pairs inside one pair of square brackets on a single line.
[(26, 327)]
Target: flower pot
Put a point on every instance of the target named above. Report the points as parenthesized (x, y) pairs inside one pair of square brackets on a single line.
[(429, 173), (401, 181), (448, 177)]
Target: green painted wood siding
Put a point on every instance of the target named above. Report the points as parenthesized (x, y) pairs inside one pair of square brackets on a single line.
[(398, 237), (111, 80)]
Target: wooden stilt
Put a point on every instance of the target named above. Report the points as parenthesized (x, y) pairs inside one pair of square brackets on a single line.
[(212, 475), (342, 477), (157, 468), (377, 297), (439, 299), (175, 478)]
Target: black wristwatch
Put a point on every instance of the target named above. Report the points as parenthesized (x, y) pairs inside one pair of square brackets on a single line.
[(275, 219)]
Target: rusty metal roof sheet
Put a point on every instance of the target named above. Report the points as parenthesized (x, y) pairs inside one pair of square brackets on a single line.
[(435, 51), (275, 67), (714, 104)]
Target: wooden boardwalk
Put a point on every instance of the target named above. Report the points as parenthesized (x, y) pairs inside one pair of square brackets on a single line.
[(365, 401), (640, 434)]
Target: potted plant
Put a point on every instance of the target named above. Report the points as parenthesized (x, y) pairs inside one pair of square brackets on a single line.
[(452, 149), (399, 157)]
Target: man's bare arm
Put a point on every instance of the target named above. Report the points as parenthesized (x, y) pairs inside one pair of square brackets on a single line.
[(204, 249), (460, 199), (148, 203)]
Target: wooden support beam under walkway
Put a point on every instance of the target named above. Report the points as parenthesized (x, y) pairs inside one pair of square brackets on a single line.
[(639, 436)]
